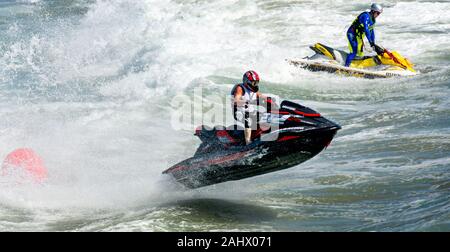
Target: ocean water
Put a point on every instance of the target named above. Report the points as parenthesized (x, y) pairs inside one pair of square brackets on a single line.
[(89, 85)]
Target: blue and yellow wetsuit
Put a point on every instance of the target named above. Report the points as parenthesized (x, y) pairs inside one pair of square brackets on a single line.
[(363, 24)]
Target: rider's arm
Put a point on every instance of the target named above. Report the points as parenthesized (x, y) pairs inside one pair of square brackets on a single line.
[(271, 105), (265, 98), (370, 34), (259, 95), (238, 97)]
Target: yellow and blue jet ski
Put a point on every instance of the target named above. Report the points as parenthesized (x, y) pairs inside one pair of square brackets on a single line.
[(384, 65)]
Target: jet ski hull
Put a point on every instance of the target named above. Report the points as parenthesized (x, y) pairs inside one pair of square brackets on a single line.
[(316, 66), (260, 158), (327, 59), (287, 136)]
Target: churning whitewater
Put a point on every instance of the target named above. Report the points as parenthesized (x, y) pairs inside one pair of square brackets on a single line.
[(89, 87)]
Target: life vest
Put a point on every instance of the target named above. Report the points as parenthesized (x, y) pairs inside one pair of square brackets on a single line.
[(358, 27), (249, 96)]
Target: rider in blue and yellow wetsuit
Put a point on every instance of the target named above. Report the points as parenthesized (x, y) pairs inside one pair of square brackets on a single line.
[(363, 24)]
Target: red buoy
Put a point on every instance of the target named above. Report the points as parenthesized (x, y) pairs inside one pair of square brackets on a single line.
[(28, 161)]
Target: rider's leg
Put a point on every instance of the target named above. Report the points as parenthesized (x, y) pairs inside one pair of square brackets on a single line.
[(353, 47)]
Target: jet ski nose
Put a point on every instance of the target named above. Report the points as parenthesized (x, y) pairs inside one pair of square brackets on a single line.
[(328, 126), (324, 123), (334, 126)]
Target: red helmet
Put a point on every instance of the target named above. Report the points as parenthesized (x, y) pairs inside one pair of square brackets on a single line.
[(251, 79)]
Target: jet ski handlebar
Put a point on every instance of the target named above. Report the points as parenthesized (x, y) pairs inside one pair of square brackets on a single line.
[(269, 102), (379, 49)]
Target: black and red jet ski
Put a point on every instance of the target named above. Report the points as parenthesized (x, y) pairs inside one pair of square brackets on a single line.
[(300, 134)]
